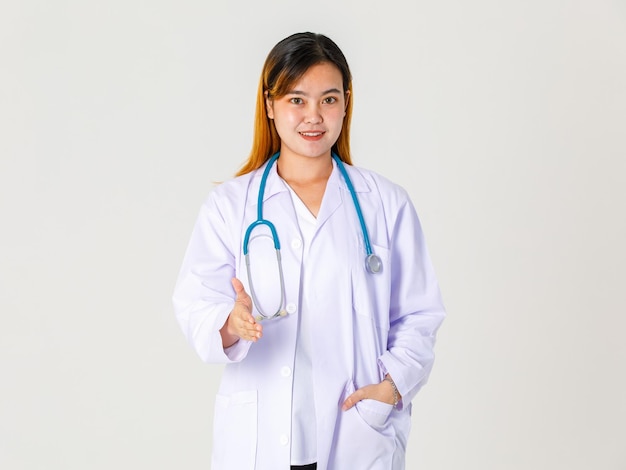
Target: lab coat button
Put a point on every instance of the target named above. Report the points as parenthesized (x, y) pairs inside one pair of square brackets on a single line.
[(296, 243), (291, 308), (285, 371), (284, 439)]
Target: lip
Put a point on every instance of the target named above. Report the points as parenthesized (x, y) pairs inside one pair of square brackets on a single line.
[(312, 135)]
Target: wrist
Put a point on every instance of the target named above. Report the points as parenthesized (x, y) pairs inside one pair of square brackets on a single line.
[(396, 394), (228, 337)]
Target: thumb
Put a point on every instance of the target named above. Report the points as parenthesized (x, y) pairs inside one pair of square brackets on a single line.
[(239, 289)]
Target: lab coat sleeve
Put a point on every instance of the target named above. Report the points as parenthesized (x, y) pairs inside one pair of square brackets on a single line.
[(416, 309), (203, 297)]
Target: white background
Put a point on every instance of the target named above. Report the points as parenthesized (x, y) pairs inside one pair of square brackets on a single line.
[(504, 120)]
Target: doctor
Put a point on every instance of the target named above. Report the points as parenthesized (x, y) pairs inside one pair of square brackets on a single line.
[(323, 361)]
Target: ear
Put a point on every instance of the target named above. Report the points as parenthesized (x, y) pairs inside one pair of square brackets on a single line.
[(347, 100), (269, 105)]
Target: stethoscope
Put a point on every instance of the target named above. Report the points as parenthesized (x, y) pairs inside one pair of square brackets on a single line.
[(373, 263)]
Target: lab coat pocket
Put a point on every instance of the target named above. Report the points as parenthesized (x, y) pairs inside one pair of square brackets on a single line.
[(235, 431), (364, 437), (374, 412)]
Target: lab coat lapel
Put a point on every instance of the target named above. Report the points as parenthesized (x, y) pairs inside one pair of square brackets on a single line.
[(337, 192), (277, 198), (333, 197), (277, 205)]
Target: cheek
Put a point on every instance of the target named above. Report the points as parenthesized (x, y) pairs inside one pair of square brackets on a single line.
[(336, 117), (286, 118)]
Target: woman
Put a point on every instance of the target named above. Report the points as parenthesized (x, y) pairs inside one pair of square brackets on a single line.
[(324, 352)]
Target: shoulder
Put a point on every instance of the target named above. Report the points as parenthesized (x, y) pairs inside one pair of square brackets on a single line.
[(226, 201), (388, 190), (232, 190)]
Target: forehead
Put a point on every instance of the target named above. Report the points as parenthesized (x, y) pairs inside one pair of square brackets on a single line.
[(323, 76)]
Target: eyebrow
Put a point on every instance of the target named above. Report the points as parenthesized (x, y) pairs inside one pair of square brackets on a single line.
[(329, 91)]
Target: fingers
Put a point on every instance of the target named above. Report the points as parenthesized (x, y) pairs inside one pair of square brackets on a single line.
[(353, 399), (242, 325), (380, 392)]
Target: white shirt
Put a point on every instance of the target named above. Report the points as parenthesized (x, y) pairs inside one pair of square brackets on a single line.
[(303, 431)]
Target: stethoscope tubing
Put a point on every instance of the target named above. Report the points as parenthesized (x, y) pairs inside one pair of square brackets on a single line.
[(246, 240), (359, 212), (259, 218), (373, 263)]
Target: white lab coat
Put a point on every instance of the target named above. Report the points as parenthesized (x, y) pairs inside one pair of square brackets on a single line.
[(365, 324)]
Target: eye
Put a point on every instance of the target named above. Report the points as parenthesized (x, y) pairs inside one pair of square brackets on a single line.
[(329, 100), (296, 100)]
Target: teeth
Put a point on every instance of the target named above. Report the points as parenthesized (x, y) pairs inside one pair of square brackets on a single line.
[(311, 134)]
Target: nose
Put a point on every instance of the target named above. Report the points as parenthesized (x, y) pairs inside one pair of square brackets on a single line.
[(313, 114)]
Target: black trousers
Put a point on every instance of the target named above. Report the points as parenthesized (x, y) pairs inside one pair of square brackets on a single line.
[(311, 466)]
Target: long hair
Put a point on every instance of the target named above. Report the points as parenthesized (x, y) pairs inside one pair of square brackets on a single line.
[(286, 63)]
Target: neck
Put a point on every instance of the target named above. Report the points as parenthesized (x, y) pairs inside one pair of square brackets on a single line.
[(304, 170)]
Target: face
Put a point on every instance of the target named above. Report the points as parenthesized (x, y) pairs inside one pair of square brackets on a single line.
[(309, 117)]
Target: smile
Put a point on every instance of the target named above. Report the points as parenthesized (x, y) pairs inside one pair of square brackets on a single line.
[(312, 134)]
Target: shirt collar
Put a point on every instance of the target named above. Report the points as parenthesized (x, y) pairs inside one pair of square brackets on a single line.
[(275, 184)]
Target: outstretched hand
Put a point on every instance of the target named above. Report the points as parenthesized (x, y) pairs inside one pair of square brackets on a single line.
[(240, 323)]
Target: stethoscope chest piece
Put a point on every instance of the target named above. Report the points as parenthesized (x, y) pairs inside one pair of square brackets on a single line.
[(373, 263)]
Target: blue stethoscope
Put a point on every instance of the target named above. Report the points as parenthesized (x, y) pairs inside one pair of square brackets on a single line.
[(373, 263)]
